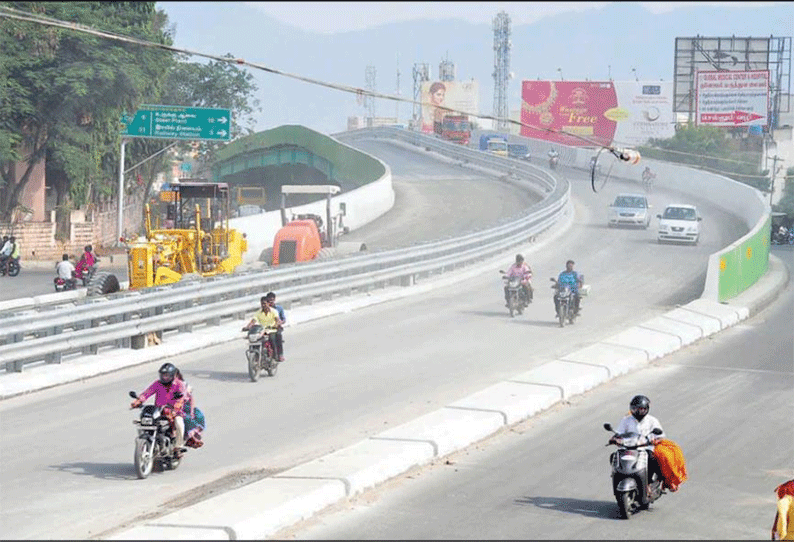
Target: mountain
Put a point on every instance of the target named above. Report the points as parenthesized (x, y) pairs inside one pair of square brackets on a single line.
[(591, 45)]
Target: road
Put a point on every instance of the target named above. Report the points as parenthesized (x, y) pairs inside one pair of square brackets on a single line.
[(437, 201), (346, 377), (727, 401)]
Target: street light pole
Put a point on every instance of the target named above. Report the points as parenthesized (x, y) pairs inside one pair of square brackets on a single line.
[(121, 193)]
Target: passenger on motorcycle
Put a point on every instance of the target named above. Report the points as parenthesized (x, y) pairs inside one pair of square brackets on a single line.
[(520, 268), (640, 422), (65, 270), (194, 417), (271, 300), (573, 279), (163, 391), (268, 319), (86, 262)]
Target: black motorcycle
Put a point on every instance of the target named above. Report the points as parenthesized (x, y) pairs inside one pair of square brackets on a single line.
[(156, 441), (516, 295), (260, 354), (565, 302), (10, 267), (632, 488)]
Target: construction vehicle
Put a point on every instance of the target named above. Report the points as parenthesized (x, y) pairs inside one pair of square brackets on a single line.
[(456, 128), (306, 237), (196, 239)]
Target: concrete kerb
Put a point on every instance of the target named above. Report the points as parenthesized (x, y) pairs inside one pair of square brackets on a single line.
[(444, 431)]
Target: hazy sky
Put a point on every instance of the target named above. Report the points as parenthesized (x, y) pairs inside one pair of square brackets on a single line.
[(331, 17)]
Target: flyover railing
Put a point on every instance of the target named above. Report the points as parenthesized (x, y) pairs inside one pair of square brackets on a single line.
[(124, 319)]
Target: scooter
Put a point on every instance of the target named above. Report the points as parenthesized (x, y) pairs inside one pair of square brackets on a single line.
[(630, 484)]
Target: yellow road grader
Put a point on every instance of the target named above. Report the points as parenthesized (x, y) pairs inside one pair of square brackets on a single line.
[(195, 240)]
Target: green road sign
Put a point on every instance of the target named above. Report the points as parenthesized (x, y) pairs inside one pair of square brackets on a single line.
[(177, 122)]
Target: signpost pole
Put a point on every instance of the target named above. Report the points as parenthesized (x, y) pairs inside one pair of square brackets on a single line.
[(120, 222)]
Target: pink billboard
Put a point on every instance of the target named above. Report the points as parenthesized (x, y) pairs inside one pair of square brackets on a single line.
[(582, 108)]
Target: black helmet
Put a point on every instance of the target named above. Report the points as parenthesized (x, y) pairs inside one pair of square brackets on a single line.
[(167, 374), (639, 406), (519, 258)]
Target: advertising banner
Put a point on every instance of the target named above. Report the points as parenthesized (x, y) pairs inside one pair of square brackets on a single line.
[(601, 113), (459, 95), (732, 98)]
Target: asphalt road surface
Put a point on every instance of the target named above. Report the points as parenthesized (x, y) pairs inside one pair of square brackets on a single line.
[(346, 377), (727, 401)]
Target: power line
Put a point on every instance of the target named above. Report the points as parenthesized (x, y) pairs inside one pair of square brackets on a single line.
[(12, 13)]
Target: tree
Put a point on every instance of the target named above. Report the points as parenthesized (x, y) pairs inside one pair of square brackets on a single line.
[(708, 148), (67, 90)]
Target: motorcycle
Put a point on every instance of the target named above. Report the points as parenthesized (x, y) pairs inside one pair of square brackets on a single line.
[(566, 308), (553, 161), (156, 442), (260, 354), (630, 484), (783, 238), (87, 273), (516, 295), (10, 267), (63, 285)]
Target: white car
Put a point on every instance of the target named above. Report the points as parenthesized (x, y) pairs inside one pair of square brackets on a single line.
[(630, 210), (680, 223)]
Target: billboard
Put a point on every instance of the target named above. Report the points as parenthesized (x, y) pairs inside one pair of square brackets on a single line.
[(732, 54), (601, 113), (732, 98), (458, 95)]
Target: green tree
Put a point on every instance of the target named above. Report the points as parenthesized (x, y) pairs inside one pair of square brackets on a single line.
[(67, 89), (709, 148)]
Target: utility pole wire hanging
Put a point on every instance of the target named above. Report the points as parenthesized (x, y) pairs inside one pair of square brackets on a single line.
[(12, 13)]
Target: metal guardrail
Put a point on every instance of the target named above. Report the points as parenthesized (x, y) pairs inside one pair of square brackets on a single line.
[(125, 318)]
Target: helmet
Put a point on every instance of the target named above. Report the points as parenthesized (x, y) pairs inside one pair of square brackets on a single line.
[(639, 406), (167, 373), (519, 258)]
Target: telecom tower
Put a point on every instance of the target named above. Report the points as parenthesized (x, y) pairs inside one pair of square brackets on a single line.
[(446, 70), (501, 68), (369, 78), (421, 73)]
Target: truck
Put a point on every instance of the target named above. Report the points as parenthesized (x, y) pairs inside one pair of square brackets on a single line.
[(305, 237), (496, 144), (196, 240), (456, 128)]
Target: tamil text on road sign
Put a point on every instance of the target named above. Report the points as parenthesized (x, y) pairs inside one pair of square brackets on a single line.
[(728, 98), (177, 122)]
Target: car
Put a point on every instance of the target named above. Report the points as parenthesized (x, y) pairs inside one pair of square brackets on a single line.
[(630, 210), (679, 223), (519, 152)]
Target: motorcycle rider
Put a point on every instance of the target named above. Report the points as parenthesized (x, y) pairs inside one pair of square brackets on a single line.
[(271, 300), (8, 247), (268, 319), (163, 391), (65, 271), (86, 263), (641, 422), (573, 279), (520, 268)]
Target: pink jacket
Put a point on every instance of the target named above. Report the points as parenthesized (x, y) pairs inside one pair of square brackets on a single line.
[(165, 396)]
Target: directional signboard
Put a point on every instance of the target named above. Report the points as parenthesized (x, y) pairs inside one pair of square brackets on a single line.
[(732, 98), (178, 122)]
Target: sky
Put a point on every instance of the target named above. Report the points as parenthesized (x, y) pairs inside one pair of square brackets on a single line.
[(335, 17)]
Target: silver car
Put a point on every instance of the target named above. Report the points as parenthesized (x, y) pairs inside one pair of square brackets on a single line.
[(679, 223), (630, 210)]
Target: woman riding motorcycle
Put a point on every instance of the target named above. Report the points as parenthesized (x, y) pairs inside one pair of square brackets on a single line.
[(164, 390)]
